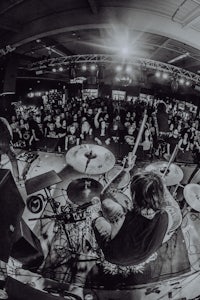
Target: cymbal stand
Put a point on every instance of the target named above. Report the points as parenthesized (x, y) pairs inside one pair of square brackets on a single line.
[(54, 205)]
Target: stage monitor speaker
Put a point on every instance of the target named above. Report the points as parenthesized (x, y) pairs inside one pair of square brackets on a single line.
[(11, 209), (27, 248), (19, 291)]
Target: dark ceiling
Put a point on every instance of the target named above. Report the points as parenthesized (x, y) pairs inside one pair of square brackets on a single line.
[(159, 30)]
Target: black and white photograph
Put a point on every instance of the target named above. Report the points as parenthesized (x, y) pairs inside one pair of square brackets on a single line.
[(100, 150)]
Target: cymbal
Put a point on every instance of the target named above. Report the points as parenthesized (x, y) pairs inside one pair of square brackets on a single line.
[(90, 159), (173, 176), (191, 194), (83, 190)]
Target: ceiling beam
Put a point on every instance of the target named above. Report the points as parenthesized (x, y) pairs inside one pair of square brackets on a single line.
[(10, 26), (64, 21), (57, 47), (93, 6), (193, 16), (7, 23), (7, 8), (163, 45)]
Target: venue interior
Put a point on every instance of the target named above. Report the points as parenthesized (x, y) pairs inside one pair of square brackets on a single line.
[(85, 87)]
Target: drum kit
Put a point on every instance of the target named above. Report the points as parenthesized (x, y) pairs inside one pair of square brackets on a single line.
[(92, 161), (89, 160)]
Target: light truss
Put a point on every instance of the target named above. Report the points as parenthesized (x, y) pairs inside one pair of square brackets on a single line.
[(106, 58)]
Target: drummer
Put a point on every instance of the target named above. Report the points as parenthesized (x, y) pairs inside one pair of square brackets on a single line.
[(131, 237)]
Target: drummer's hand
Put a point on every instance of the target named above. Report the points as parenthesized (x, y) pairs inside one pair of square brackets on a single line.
[(130, 162), (99, 143), (107, 142)]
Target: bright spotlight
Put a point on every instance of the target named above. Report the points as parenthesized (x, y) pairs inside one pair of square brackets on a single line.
[(118, 68), (165, 75), (60, 69), (30, 95), (125, 51), (187, 83), (93, 67), (158, 74), (181, 80), (84, 68), (54, 70), (128, 69)]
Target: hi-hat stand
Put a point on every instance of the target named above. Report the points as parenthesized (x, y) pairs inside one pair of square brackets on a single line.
[(44, 182)]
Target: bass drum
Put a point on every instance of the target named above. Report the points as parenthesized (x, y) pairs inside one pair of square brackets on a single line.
[(122, 181)]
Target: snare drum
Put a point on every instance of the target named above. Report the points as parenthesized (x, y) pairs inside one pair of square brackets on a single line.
[(123, 179), (123, 200)]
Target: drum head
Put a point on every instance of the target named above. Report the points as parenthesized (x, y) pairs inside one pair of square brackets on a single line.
[(123, 200), (192, 195), (123, 179)]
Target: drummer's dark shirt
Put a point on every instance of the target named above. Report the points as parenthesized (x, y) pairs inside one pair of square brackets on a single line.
[(137, 239)]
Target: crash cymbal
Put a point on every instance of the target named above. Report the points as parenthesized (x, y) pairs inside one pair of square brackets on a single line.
[(90, 159), (191, 194), (83, 190), (173, 176)]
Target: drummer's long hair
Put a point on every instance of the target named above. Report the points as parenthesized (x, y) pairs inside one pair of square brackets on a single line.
[(147, 191)]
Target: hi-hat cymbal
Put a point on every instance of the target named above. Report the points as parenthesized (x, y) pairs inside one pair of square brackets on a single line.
[(90, 159), (191, 194), (83, 190), (173, 176)]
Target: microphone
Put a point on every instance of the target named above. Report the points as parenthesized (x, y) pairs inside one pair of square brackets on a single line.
[(94, 200)]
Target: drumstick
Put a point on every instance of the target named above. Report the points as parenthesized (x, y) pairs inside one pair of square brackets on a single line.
[(139, 136), (112, 179), (132, 153), (171, 160)]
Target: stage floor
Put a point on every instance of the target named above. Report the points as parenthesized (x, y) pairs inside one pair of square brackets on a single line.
[(156, 280)]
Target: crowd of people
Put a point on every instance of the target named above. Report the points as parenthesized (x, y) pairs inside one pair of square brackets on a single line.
[(110, 123)]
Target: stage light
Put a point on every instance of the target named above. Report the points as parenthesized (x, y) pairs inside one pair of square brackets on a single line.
[(38, 94), (165, 75), (182, 56), (30, 95), (54, 70), (181, 80), (88, 297), (128, 69), (125, 51), (187, 83), (92, 67), (60, 69), (118, 68), (158, 74), (84, 67)]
